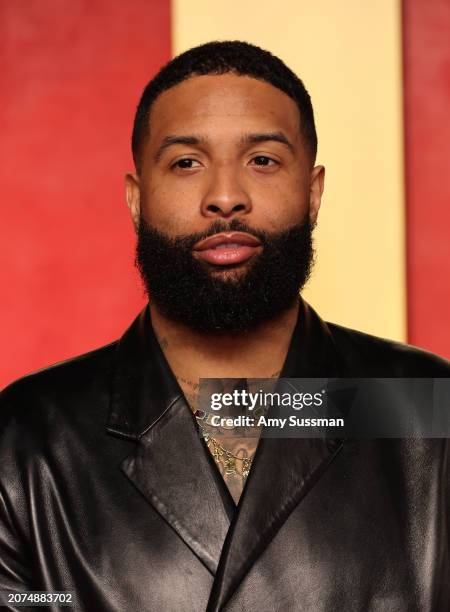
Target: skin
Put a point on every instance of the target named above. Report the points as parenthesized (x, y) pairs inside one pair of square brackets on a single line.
[(226, 172)]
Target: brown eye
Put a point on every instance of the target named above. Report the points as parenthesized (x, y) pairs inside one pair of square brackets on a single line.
[(186, 164), (263, 160)]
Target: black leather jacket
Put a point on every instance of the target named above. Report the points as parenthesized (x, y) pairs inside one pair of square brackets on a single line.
[(106, 489)]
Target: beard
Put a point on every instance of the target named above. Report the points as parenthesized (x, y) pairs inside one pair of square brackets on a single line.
[(224, 299)]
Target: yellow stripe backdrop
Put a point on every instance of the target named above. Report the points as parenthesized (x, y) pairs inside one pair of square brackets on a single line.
[(349, 57)]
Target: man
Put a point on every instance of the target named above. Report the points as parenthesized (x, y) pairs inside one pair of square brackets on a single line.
[(107, 488)]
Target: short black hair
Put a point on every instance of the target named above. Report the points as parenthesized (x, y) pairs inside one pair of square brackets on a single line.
[(221, 57)]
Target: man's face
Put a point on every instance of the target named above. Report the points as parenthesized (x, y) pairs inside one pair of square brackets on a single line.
[(224, 152)]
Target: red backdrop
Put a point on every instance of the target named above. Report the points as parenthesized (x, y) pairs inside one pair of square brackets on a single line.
[(426, 27), (71, 76)]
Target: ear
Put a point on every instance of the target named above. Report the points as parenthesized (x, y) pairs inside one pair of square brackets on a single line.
[(133, 197), (315, 193)]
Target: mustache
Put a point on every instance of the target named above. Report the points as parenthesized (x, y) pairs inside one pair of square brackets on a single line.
[(187, 241)]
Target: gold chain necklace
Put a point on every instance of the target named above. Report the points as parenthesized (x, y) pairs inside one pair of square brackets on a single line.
[(219, 452), (223, 455)]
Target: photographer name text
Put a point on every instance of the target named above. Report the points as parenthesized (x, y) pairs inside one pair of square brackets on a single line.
[(278, 422)]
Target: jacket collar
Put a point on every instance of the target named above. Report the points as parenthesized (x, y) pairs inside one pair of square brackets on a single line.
[(173, 469), (144, 387), (311, 352)]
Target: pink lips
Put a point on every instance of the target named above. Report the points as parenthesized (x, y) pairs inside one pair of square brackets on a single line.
[(227, 248)]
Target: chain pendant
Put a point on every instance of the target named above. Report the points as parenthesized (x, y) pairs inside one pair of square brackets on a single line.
[(230, 466)]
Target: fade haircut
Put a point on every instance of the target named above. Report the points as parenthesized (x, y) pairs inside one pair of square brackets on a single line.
[(237, 57)]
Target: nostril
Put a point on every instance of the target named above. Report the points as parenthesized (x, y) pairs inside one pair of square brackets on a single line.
[(213, 208), (239, 207)]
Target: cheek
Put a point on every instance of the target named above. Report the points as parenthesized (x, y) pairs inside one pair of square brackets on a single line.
[(282, 205), (169, 209), (297, 203)]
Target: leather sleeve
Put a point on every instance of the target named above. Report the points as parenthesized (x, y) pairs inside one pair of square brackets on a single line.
[(14, 570), (15, 562)]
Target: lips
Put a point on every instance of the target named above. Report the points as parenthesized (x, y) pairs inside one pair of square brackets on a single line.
[(227, 248)]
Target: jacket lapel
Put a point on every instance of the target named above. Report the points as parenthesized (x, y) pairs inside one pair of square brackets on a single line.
[(173, 470), (283, 470), (169, 465)]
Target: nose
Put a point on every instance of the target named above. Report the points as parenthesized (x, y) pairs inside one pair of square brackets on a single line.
[(225, 195)]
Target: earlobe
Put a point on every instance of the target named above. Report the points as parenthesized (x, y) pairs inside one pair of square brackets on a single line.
[(316, 190), (133, 197)]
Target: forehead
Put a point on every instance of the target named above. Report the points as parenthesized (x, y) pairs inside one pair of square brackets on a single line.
[(226, 102)]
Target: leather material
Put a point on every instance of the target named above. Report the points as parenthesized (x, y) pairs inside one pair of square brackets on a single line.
[(106, 489)]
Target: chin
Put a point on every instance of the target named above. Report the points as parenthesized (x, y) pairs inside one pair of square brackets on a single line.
[(230, 272)]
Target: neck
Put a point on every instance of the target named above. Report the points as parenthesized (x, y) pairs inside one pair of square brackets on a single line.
[(259, 353)]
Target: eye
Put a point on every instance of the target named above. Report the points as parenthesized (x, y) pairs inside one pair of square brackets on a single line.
[(186, 164), (264, 161)]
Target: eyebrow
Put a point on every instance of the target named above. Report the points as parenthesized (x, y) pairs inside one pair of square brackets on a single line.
[(268, 137), (169, 141), (255, 138)]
